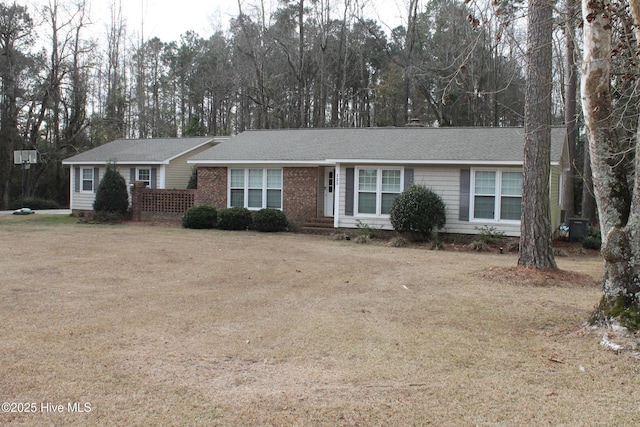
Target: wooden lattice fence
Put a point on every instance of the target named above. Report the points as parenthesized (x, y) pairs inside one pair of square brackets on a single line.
[(160, 205)]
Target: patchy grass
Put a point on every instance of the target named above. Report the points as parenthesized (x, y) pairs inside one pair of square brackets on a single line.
[(157, 325), (37, 218)]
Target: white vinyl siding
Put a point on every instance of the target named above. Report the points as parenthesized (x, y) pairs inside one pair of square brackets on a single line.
[(255, 188), (80, 199), (555, 196), (445, 181)]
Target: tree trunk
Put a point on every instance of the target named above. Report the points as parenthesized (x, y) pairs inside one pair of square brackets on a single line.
[(568, 195), (588, 199), (301, 122), (535, 230), (617, 199)]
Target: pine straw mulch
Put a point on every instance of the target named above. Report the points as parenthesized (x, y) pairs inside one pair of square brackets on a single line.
[(538, 278)]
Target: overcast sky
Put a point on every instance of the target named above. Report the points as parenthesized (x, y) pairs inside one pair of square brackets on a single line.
[(169, 19)]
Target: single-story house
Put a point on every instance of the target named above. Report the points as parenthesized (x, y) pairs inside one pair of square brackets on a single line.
[(159, 162), (353, 175)]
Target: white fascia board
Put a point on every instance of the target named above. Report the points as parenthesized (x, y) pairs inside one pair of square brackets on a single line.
[(103, 163), (143, 162), (209, 141), (333, 162), (261, 162), (429, 162)]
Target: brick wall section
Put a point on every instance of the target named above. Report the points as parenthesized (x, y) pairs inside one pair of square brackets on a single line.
[(136, 200), (300, 193), (212, 187)]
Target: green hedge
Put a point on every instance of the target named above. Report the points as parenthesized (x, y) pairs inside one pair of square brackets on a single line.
[(269, 220), (35, 203), (200, 217), (234, 218)]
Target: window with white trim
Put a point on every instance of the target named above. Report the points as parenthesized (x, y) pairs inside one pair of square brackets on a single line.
[(255, 188), (377, 189), (497, 195), (144, 175), (87, 180)]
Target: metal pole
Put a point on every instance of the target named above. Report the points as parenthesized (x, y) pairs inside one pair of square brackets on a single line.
[(22, 185)]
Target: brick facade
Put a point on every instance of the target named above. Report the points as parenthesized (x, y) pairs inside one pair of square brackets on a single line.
[(212, 187), (299, 187), (300, 193)]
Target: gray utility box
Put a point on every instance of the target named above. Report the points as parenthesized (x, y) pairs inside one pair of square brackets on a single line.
[(578, 229)]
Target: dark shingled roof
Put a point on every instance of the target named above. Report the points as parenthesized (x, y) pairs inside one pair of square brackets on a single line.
[(410, 144), (130, 151)]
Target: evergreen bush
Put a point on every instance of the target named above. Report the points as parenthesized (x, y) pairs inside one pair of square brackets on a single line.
[(34, 203), (234, 218), (419, 211), (593, 239), (269, 220), (193, 179), (200, 217), (112, 196)]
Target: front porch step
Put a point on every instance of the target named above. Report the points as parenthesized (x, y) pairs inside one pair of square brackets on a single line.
[(322, 225)]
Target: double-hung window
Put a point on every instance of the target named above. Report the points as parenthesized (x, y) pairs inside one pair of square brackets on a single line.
[(497, 195), (87, 180), (255, 188), (377, 188), (144, 175)]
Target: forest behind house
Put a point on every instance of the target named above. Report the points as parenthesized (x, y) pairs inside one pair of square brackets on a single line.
[(67, 87)]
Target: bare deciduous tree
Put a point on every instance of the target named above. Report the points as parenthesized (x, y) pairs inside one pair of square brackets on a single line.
[(615, 161), (16, 28)]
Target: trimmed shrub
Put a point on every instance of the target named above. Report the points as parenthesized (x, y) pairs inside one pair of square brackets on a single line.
[(593, 239), (35, 203), (200, 217), (112, 196), (419, 211), (234, 218), (269, 220)]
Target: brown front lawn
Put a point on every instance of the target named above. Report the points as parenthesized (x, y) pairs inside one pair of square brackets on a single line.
[(158, 325)]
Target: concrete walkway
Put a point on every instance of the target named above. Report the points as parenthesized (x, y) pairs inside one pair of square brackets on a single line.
[(43, 211)]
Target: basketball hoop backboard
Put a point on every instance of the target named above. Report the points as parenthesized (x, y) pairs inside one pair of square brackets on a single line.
[(25, 157)]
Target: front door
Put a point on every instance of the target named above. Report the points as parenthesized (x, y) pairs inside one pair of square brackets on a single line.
[(329, 187)]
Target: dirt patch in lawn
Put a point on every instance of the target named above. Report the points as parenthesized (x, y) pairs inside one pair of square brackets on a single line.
[(157, 325)]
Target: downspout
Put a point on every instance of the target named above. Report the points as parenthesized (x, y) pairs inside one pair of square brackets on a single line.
[(162, 177), (72, 180), (336, 196)]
